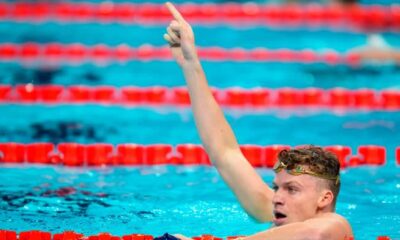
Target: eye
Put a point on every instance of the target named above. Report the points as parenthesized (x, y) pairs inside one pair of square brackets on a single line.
[(275, 188), (292, 189)]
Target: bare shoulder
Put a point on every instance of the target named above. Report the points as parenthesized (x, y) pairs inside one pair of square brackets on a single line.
[(336, 218), (334, 223)]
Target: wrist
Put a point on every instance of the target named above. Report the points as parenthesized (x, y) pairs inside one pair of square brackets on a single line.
[(191, 64)]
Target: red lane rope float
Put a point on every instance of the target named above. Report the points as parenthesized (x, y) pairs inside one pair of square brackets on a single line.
[(56, 53), (376, 16), (257, 98), (71, 235), (102, 154)]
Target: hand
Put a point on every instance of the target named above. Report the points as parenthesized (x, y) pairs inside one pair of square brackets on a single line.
[(181, 237), (180, 38)]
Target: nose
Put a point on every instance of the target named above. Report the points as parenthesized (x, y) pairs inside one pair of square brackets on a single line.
[(277, 199)]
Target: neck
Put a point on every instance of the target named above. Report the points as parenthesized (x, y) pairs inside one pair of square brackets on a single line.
[(325, 210)]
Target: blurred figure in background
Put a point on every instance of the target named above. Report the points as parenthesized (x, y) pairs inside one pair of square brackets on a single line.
[(377, 50)]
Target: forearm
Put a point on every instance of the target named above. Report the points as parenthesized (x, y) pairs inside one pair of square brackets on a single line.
[(294, 231), (222, 147), (215, 132)]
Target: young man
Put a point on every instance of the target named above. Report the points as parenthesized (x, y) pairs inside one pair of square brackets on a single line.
[(302, 203)]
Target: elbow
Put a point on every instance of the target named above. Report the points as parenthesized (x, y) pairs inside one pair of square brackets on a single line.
[(260, 217), (262, 213)]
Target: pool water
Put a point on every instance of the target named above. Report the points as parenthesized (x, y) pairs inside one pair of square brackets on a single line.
[(91, 123), (220, 75), (248, 36), (188, 200)]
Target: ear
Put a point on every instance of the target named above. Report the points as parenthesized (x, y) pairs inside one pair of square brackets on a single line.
[(325, 199)]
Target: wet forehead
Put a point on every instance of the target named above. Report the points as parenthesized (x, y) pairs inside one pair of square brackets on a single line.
[(304, 180)]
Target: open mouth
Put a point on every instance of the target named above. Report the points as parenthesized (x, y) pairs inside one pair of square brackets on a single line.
[(279, 218)]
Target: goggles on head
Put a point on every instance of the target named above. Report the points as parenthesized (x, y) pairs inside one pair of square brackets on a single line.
[(299, 170)]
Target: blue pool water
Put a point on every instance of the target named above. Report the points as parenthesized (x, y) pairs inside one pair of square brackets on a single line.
[(91, 124), (220, 75), (188, 200), (245, 37), (181, 199)]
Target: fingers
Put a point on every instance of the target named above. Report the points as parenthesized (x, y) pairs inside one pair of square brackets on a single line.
[(170, 41), (178, 28), (167, 38), (175, 13), (173, 35), (175, 25)]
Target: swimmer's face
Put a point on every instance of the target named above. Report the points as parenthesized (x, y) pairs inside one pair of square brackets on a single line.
[(296, 198)]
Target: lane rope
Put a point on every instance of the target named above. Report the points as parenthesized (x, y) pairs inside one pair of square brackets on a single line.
[(105, 154), (72, 235), (336, 99), (356, 16), (77, 53)]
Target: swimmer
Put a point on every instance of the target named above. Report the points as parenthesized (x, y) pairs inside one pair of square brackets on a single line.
[(377, 51), (301, 203)]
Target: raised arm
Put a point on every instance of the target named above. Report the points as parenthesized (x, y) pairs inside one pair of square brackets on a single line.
[(216, 135)]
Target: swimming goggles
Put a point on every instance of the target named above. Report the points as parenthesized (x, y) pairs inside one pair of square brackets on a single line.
[(299, 170)]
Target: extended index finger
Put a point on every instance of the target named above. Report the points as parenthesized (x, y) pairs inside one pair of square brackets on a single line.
[(175, 13)]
